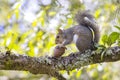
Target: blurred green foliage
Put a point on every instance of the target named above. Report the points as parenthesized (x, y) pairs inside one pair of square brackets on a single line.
[(29, 27)]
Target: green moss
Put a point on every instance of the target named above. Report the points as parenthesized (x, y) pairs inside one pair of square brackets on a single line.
[(8, 64)]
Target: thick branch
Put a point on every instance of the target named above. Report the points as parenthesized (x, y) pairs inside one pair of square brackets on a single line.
[(51, 66)]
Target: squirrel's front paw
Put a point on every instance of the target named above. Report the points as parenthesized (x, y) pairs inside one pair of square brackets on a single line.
[(62, 46)]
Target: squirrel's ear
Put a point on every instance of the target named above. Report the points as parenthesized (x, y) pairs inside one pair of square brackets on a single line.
[(60, 30)]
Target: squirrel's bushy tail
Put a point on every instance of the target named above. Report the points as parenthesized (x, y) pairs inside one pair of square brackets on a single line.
[(86, 19)]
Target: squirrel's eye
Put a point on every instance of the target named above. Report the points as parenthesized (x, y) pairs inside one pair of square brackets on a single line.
[(57, 36)]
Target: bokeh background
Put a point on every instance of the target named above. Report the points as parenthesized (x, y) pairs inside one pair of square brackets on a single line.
[(28, 27)]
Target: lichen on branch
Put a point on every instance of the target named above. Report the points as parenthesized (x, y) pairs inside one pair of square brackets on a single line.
[(51, 66)]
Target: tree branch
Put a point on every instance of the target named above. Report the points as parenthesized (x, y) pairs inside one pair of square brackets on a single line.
[(51, 66)]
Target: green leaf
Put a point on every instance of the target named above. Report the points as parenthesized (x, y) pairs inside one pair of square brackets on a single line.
[(117, 27), (113, 37), (105, 39), (119, 41)]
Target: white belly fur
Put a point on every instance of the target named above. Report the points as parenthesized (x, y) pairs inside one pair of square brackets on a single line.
[(75, 37)]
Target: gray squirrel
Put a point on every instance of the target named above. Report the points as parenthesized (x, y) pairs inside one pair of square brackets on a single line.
[(84, 35)]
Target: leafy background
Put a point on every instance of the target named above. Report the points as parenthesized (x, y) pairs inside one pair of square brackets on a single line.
[(28, 27)]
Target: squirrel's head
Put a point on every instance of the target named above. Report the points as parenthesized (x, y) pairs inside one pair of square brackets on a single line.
[(60, 37)]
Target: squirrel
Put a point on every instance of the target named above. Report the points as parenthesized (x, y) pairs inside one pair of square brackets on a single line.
[(85, 35)]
